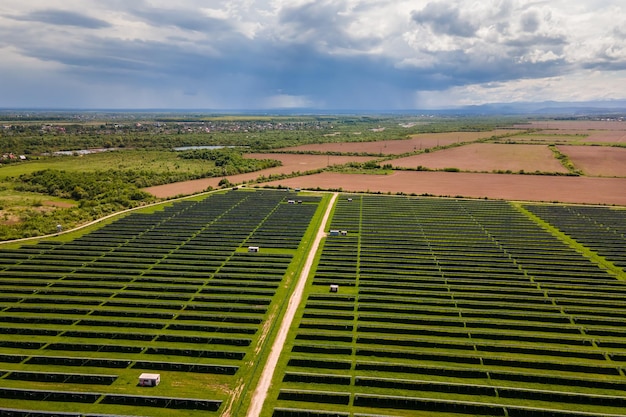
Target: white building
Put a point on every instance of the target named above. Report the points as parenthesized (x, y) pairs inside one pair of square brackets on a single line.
[(149, 380)]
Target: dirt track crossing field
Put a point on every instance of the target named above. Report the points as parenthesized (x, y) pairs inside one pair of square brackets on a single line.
[(294, 302)]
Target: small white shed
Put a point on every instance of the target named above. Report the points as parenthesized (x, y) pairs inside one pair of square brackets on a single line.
[(149, 380), (334, 288), (253, 248)]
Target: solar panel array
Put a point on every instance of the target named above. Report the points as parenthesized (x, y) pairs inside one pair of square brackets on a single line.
[(454, 306), (174, 292)]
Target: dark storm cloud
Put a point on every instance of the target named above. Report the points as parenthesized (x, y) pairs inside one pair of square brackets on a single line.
[(444, 19), (108, 57), (63, 18)]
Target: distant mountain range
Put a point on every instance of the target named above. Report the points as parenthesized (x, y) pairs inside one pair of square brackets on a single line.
[(545, 108), (610, 108)]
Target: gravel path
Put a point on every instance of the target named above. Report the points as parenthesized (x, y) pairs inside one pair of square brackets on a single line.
[(268, 372)]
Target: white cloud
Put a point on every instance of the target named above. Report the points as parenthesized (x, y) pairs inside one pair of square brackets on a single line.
[(583, 86), (537, 55)]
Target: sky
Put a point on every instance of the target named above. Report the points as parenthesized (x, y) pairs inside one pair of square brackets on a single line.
[(323, 54)]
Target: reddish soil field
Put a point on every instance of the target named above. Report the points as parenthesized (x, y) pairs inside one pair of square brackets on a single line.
[(577, 125), (599, 136), (574, 136), (603, 161), (494, 186), (487, 157), (291, 163), (548, 138), (397, 147), (588, 131)]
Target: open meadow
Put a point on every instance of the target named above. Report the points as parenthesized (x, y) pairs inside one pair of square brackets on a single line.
[(136, 160)]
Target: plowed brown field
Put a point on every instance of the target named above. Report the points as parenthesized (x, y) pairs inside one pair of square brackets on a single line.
[(494, 186), (487, 157), (575, 125), (573, 137), (397, 147), (598, 160), (291, 163), (581, 131)]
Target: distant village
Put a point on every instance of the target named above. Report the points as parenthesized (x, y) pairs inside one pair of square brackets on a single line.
[(176, 127), (12, 157)]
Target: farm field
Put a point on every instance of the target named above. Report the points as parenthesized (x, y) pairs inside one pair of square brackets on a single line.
[(574, 132), (544, 138), (175, 292), (487, 157), (597, 160), (575, 125), (475, 185), (569, 137), (455, 307), (395, 147), (606, 137), (290, 164), (524, 148)]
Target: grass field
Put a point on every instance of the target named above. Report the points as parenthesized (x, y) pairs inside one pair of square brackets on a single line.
[(136, 160)]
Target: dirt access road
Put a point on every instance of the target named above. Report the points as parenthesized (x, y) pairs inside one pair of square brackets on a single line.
[(268, 372)]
